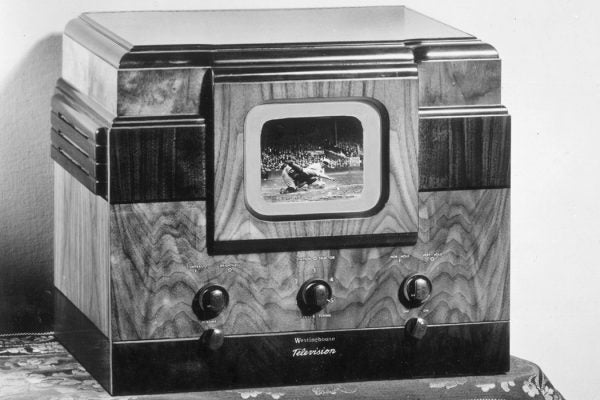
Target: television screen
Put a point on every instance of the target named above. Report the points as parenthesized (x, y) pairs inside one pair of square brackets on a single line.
[(313, 159)]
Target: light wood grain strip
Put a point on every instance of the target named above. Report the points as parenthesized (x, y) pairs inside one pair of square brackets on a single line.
[(81, 247), (89, 74)]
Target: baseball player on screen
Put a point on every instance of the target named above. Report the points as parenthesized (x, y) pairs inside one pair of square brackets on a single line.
[(295, 177)]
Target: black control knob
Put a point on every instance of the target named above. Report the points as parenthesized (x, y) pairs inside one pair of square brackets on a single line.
[(213, 300), (416, 328), (316, 294), (212, 339), (415, 290), (210, 301), (313, 296)]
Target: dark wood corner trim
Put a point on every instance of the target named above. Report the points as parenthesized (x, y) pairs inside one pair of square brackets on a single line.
[(82, 339), (464, 151), (157, 161)]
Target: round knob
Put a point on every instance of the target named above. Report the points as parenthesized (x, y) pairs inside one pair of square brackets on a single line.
[(214, 300), (316, 293), (313, 296), (210, 301), (415, 290), (416, 328), (212, 339)]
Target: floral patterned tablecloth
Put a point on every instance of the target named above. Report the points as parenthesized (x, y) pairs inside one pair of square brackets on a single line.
[(38, 367)]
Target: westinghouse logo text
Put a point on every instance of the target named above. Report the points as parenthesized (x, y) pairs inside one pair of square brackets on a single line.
[(321, 351), (299, 340)]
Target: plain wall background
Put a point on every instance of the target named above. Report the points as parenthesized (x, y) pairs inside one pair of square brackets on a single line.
[(550, 85)]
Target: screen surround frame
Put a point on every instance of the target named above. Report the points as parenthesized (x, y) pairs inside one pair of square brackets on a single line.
[(375, 132)]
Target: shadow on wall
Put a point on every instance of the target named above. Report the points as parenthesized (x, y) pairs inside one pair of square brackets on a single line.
[(26, 199)]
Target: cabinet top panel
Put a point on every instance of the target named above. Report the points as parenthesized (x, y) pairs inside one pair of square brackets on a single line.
[(138, 29)]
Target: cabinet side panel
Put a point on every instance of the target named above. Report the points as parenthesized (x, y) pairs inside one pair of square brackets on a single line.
[(90, 74), (81, 247)]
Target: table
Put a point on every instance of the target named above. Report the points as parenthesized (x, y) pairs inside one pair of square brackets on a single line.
[(34, 367)]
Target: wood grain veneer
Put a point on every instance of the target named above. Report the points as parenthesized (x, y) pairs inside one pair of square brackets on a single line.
[(157, 163), (459, 82), (462, 248), (171, 91), (232, 219), (90, 74), (159, 261), (137, 92), (81, 247), (464, 152), (464, 241)]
